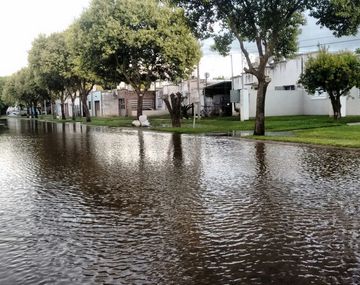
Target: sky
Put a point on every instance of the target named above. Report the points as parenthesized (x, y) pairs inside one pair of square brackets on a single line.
[(311, 35), (21, 21)]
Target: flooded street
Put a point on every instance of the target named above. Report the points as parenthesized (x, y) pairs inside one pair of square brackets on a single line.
[(93, 205)]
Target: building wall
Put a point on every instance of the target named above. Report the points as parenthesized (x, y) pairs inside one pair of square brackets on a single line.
[(290, 103), (284, 103), (293, 102), (353, 102), (315, 105), (110, 104)]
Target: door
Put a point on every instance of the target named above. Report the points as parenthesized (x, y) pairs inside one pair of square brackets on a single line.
[(97, 108), (122, 107)]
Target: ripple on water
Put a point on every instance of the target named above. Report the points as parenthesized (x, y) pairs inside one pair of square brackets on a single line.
[(97, 206)]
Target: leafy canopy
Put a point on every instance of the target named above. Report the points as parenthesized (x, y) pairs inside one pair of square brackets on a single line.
[(22, 88), (137, 42), (48, 58), (332, 73), (340, 16), (272, 24)]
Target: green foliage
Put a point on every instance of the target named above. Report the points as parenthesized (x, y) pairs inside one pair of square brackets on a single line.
[(80, 71), (3, 105), (137, 42), (273, 25), (8, 94), (21, 88), (333, 73), (48, 58), (340, 16)]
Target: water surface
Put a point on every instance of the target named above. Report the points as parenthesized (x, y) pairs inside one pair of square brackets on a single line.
[(91, 205)]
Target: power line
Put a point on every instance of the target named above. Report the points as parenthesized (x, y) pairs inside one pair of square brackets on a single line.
[(300, 47), (317, 38), (338, 42)]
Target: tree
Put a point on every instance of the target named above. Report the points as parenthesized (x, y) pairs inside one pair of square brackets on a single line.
[(8, 94), (273, 25), (3, 105), (137, 42), (335, 74), (340, 16), (49, 59), (174, 107), (21, 88), (81, 75)]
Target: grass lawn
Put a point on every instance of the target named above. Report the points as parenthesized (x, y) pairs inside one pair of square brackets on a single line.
[(341, 136), (321, 130)]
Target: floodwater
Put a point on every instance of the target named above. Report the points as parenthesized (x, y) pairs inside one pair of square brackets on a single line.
[(88, 205)]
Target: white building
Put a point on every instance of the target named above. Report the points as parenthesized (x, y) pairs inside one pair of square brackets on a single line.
[(285, 97)]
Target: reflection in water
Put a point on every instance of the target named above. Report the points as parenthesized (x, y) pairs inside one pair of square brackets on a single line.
[(85, 205)]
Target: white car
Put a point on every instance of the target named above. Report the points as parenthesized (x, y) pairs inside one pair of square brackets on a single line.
[(15, 112)]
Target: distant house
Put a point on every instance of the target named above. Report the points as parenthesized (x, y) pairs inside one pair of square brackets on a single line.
[(110, 103), (119, 103), (209, 97)]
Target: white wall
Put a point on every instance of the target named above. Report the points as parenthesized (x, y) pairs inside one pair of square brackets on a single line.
[(252, 99), (285, 73), (316, 105), (291, 103), (109, 105), (284, 103), (353, 102)]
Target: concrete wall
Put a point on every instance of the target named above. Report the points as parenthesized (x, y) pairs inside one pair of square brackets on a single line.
[(110, 104), (252, 103), (284, 103), (285, 73), (279, 103), (316, 105), (297, 102), (353, 102), (291, 103)]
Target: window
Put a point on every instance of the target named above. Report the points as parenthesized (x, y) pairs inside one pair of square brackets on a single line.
[(289, 87), (285, 87), (89, 105)]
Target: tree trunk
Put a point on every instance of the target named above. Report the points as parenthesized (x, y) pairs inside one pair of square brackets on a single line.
[(140, 101), (62, 105), (336, 105), (174, 109), (85, 107), (73, 108), (260, 108)]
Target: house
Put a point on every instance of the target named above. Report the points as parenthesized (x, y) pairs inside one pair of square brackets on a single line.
[(108, 103), (208, 96), (121, 102), (285, 96)]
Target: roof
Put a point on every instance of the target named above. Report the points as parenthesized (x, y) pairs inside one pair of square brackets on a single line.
[(218, 88)]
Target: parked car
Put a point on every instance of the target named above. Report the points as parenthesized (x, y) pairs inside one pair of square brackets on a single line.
[(16, 112)]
